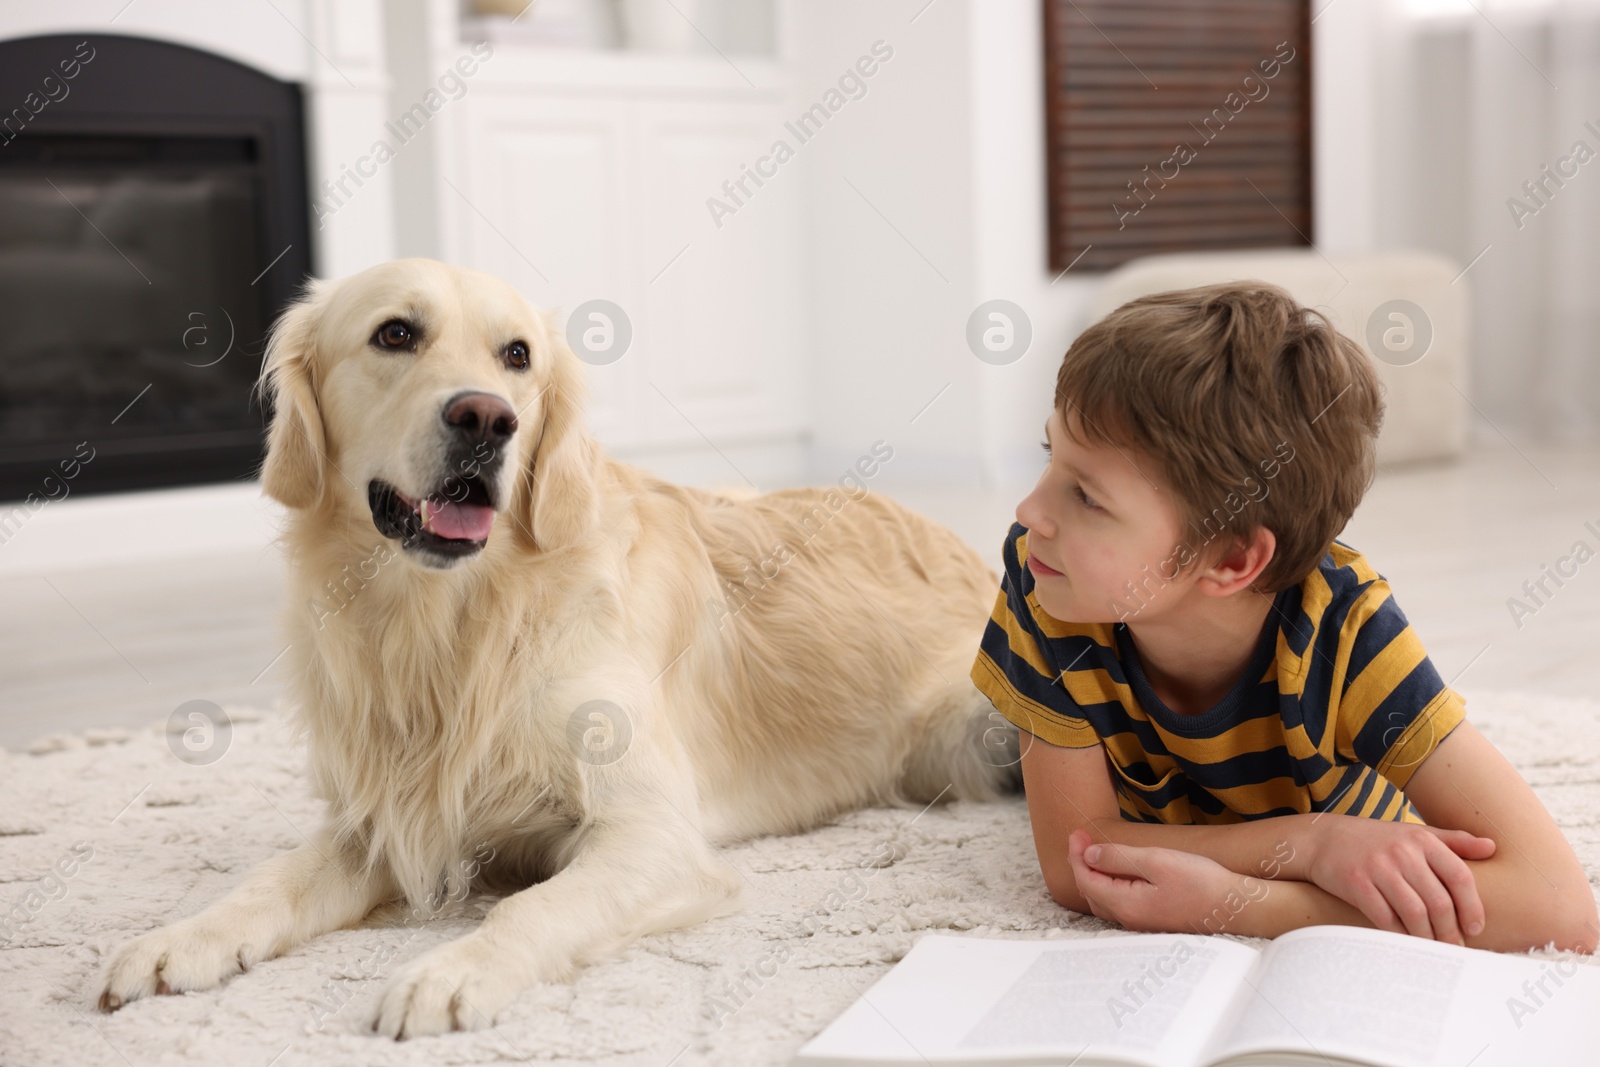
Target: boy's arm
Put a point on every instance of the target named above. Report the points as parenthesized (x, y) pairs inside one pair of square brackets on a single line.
[(1167, 890), (1533, 887), (1070, 789)]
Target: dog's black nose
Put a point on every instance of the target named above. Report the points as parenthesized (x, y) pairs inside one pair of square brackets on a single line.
[(481, 417)]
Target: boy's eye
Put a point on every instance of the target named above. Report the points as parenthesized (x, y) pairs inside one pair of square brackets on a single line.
[(1077, 489)]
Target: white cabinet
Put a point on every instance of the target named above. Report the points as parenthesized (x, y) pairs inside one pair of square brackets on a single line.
[(724, 305), (540, 199), (581, 176)]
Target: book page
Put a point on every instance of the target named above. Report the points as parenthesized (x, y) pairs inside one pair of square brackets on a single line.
[(1153, 996), (1393, 999), (1146, 999)]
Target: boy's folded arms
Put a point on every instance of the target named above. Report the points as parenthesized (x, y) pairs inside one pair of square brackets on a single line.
[(1516, 877)]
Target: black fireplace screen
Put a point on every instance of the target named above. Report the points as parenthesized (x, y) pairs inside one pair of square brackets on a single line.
[(152, 223)]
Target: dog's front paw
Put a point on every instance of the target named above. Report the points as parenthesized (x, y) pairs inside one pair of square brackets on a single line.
[(174, 959), (457, 986)]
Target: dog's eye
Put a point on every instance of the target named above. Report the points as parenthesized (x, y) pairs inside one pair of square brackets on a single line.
[(394, 334), (516, 355)]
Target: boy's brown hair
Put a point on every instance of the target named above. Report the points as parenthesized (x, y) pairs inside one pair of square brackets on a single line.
[(1211, 383)]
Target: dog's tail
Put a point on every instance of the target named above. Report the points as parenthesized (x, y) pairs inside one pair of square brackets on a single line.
[(968, 751)]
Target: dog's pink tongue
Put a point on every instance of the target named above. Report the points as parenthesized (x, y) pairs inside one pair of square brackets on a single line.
[(465, 522)]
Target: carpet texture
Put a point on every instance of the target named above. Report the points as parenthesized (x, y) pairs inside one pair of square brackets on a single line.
[(149, 838)]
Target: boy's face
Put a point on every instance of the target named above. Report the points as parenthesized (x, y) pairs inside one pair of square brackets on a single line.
[(1095, 522)]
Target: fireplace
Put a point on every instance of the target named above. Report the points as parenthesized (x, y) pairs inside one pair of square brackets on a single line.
[(153, 221)]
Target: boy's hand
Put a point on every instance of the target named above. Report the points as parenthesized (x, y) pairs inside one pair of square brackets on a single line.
[(1153, 889), (1404, 877)]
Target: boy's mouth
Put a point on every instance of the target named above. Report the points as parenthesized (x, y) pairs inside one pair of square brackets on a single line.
[(1042, 570)]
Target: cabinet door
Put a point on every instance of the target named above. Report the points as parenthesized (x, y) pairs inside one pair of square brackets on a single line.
[(542, 199), (720, 302)]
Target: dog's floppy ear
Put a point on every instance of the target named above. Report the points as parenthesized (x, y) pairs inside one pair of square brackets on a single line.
[(293, 472), (557, 502)]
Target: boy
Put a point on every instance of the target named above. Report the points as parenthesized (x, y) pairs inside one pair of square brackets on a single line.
[(1182, 641)]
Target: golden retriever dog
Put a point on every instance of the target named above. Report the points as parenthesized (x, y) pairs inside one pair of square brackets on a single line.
[(519, 664)]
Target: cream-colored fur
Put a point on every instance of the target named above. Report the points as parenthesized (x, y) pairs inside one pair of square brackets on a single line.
[(446, 708)]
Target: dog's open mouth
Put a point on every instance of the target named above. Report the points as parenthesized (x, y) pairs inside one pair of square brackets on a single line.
[(454, 519)]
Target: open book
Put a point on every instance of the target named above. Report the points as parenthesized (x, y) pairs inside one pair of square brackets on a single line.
[(1319, 995)]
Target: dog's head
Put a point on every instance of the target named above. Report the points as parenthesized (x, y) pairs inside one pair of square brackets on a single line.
[(437, 399)]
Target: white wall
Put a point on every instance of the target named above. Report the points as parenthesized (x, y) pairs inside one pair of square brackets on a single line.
[(949, 145), (1013, 255), (891, 239), (408, 36), (348, 92), (1346, 45)]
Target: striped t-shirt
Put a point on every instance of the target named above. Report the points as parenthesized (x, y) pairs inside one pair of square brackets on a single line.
[(1339, 705)]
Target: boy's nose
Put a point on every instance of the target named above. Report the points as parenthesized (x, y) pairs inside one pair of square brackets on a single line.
[(1032, 516)]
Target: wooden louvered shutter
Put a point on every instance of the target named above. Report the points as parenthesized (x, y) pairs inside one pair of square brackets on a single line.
[(1175, 126)]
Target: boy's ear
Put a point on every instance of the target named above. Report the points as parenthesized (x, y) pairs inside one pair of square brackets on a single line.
[(294, 471), (557, 500)]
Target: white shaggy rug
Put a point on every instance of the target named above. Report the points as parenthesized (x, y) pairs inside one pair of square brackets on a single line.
[(148, 838)]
